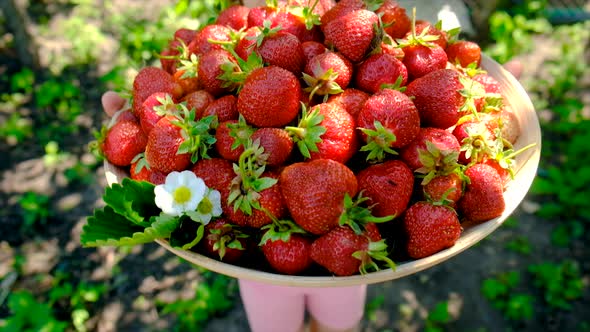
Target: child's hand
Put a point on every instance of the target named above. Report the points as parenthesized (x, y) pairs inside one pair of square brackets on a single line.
[(112, 102)]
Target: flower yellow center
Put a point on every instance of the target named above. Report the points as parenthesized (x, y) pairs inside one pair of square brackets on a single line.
[(205, 207), (182, 194)]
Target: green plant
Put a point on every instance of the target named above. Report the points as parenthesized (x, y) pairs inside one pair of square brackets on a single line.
[(213, 296), (35, 209), (501, 292), (438, 317), (53, 156), (520, 244), (29, 315), (372, 306), (16, 129), (561, 283)]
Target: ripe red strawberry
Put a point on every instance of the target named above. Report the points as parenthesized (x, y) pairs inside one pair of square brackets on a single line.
[(341, 8), (217, 173), (223, 241), (352, 33), (464, 52), (258, 15), (379, 70), (430, 228), (327, 73), (277, 145), (444, 145), (122, 142), (326, 131), (226, 144), (235, 17), (188, 80), (202, 44), (280, 48), (153, 109), (161, 151), (351, 99), (150, 80), (483, 198), (141, 171), (504, 173), (290, 23), (314, 192), (449, 187), (421, 60), (286, 248), (344, 252), (395, 20), (267, 200), (388, 120), (270, 97), (210, 70), (311, 49), (388, 186), (224, 108), (198, 100), (246, 44), (440, 98)]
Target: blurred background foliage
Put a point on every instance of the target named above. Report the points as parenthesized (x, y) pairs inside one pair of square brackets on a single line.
[(58, 56)]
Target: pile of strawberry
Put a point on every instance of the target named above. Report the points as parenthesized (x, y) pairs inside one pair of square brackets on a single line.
[(329, 129)]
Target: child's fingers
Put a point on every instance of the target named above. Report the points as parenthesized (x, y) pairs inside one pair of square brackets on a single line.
[(112, 102)]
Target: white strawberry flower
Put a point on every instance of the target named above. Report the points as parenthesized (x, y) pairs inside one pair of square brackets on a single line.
[(210, 206), (182, 192)]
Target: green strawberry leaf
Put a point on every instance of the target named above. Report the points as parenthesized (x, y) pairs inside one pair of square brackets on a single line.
[(308, 133), (134, 200), (107, 228), (379, 142)]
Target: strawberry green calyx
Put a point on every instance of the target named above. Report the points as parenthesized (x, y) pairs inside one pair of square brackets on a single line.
[(235, 74), (265, 31), (493, 102), (423, 38), (356, 215), (379, 141), (167, 106), (376, 251), (141, 162), (248, 183), (279, 230), (306, 14), (472, 91), (503, 153), (478, 144), (197, 135), (397, 85), (322, 83), (241, 132), (309, 131), (436, 162), (226, 237)]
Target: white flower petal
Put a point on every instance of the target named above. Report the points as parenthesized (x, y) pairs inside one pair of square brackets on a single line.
[(215, 198)]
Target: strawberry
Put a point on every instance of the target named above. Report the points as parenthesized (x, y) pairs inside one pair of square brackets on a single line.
[(141, 171), (483, 198), (226, 145), (430, 228), (224, 108), (187, 80), (426, 28), (235, 17), (277, 145), (443, 96), (245, 45), (198, 100), (343, 252), (202, 44), (311, 49), (444, 188), (150, 80), (326, 74), (351, 99), (508, 124), (122, 142), (443, 145), (326, 131), (211, 67), (477, 140), (490, 84), (395, 20), (380, 70), (285, 247), (464, 52), (314, 192), (270, 97), (352, 33), (153, 109), (387, 120), (224, 241), (341, 8), (163, 142), (388, 186), (217, 173), (255, 195), (280, 48), (258, 15)]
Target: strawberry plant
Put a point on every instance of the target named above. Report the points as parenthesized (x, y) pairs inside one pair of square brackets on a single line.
[(35, 210), (437, 318), (560, 283), (29, 315), (501, 292)]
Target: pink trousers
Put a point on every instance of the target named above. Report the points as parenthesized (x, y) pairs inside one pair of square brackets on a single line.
[(272, 308)]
